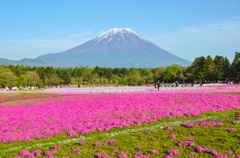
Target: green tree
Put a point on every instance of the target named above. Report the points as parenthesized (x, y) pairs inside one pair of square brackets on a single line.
[(86, 75), (197, 69), (18, 69), (222, 67), (180, 73), (189, 75), (147, 75), (66, 76), (3, 69), (209, 69), (22, 80), (49, 75), (174, 73), (236, 67), (56, 80), (7, 78), (33, 78), (135, 79), (158, 74)]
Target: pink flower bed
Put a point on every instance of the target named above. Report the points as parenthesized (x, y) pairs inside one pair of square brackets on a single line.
[(79, 114)]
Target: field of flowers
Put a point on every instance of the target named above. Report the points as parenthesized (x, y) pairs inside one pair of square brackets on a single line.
[(28, 119)]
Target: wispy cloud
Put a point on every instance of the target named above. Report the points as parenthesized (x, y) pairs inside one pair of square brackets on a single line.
[(219, 38), (32, 48)]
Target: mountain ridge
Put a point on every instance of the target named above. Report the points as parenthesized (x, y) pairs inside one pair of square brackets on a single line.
[(118, 47)]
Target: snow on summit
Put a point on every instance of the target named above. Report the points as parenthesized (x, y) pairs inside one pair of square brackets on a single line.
[(117, 34), (114, 31)]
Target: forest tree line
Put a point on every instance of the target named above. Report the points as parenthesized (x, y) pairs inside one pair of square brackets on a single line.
[(203, 70)]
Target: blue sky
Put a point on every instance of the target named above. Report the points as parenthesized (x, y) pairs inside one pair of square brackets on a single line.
[(186, 28)]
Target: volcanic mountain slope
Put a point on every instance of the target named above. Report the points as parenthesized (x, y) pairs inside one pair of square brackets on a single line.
[(118, 47)]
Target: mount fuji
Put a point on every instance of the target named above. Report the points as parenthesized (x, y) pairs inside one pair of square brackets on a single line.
[(118, 47)]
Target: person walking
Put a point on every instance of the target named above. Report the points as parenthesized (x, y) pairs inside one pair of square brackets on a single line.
[(158, 85), (176, 83)]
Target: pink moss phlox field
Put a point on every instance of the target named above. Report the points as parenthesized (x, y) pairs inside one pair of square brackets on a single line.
[(83, 113)]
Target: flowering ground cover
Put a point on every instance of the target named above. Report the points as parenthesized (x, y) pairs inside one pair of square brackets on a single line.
[(80, 114), (167, 140), (61, 116)]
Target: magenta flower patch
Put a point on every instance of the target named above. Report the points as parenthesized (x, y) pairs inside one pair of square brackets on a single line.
[(80, 114), (154, 151), (122, 155), (200, 149), (172, 136), (97, 143), (76, 151), (169, 128), (186, 143), (174, 152)]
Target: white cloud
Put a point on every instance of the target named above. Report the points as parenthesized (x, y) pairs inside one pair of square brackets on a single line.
[(32, 48), (220, 38)]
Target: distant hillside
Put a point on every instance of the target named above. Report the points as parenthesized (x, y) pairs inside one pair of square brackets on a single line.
[(25, 61)]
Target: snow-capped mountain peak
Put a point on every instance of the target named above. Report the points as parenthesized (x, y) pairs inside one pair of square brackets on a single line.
[(119, 34), (114, 31), (118, 47)]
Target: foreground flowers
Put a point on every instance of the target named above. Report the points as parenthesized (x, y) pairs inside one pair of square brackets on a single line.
[(79, 114), (190, 142)]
